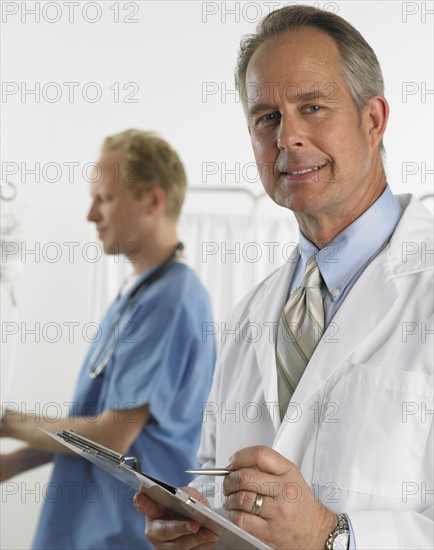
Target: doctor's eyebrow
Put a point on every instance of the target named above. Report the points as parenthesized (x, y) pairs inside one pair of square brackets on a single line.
[(315, 95)]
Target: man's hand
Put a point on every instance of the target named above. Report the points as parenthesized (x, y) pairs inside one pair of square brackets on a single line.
[(166, 533), (290, 516)]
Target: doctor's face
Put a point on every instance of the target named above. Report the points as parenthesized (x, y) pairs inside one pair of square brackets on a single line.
[(119, 216), (315, 154)]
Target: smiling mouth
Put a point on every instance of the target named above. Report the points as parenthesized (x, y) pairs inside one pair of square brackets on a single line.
[(306, 171)]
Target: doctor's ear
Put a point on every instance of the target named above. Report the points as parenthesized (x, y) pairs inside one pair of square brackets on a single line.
[(155, 200), (376, 115)]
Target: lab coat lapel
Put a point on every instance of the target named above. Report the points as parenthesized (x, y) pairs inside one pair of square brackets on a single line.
[(266, 312), (373, 296)]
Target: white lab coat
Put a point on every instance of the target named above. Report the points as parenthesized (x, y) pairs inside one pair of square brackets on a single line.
[(359, 425)]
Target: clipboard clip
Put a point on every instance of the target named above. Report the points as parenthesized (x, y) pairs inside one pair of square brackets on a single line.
[(99, 450)]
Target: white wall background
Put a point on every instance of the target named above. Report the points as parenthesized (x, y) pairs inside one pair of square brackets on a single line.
[(170, 53)]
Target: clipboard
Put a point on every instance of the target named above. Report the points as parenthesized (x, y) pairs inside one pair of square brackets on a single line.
[(128, 470)]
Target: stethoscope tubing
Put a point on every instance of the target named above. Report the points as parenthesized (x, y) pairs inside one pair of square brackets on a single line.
[(96, 366)]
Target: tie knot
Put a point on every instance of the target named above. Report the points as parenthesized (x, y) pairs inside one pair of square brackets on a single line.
[(312, 275)]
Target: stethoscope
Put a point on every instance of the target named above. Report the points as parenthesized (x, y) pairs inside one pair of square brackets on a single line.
[(96, 364)]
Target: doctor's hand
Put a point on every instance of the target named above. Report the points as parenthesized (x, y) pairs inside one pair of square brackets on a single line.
[(289, 516), (165, 532)]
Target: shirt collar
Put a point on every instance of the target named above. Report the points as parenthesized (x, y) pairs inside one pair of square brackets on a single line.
[(352, 248)]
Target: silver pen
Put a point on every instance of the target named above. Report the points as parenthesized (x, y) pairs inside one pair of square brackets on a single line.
[(210, 472)]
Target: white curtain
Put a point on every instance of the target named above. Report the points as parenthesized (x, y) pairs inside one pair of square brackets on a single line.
[(232, 253)]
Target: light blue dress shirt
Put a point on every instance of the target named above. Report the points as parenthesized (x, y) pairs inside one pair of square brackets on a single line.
[(343, 260)]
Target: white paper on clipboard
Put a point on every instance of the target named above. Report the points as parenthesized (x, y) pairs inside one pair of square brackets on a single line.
[(171, 498)]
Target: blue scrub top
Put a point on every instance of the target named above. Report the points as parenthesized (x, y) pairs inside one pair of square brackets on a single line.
[(161, 359)]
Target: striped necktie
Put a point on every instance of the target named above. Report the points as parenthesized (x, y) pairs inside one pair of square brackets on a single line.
[(301, 327)]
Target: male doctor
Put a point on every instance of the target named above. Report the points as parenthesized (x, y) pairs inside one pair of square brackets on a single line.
[(142, 384), (332, 443)]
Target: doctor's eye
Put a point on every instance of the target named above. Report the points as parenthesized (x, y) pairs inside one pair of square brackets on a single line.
[(103, 199), (275, 115), (313, 108)]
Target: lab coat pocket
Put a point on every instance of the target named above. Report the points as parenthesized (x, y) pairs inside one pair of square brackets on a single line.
[(375, 439)]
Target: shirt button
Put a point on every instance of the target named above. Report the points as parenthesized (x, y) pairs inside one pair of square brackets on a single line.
[(335, 292)]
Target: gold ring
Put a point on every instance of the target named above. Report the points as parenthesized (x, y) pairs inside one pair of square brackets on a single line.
[(259, 500)]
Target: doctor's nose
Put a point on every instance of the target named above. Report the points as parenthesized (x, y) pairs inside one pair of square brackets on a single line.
[(290, 134), (93, 215)]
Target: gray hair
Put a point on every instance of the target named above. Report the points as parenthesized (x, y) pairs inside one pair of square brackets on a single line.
[(360, 67)]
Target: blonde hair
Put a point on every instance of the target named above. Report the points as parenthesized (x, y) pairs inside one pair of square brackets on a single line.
[(150, 162)]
